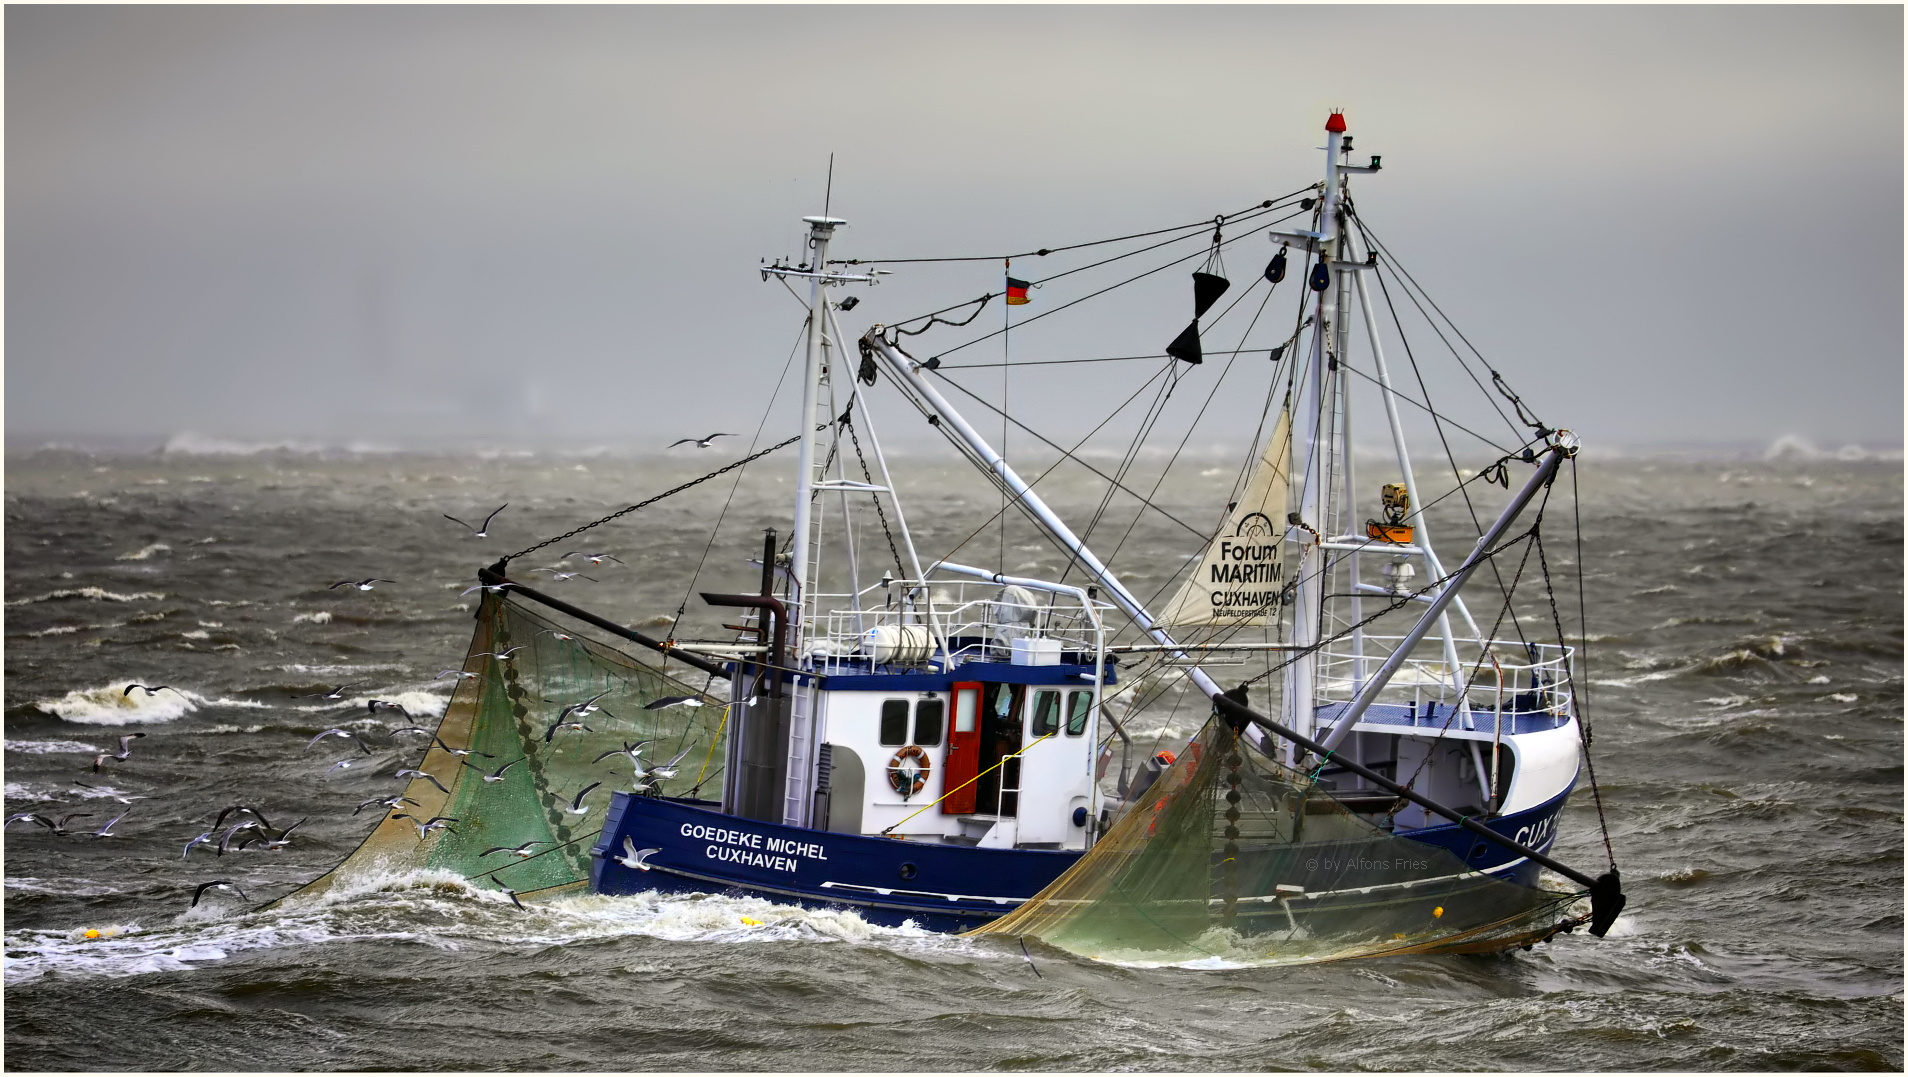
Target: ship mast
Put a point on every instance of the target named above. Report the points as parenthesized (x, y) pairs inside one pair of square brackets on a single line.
[(820, 230)]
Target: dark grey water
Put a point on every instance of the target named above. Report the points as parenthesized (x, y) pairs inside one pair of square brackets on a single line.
[(1746, 697)]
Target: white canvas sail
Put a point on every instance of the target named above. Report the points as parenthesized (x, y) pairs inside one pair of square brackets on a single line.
[(1240, 579)]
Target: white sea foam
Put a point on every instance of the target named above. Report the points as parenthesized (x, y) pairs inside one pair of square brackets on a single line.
[(322, 617), (91, 594), (144, 552), (112, 705), (1793, 447), (51, 747), (188, 443)]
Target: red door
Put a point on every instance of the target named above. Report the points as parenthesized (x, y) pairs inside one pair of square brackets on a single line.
[(963, 751)]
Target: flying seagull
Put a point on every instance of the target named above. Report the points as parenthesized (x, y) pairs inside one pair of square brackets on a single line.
[(225, 839), (150, 689), (345, 733), (636, 858), (512, 895), (109, 791), (420, 774), (386, 802), (435, 822), (576, 806), (216, 884), (700, 443), (58, 826), (253, 812), (554, 634), (479, 532), (501, 656), (201, 839), (335, 693), (460, 674), (665, 770), (107, 830), (673, 701), (124, 753), (631, 750), (458, 752), (495, 775), (284, 836), (342, 764), (563, 722), (362, 585), (558, 577), (593, 558), (520, 851), (583, 709), (493, 588), (375, 705)]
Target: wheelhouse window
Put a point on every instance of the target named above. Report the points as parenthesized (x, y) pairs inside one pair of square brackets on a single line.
[(1046, 714), (1079, 709), (894, 721), (929, 717)]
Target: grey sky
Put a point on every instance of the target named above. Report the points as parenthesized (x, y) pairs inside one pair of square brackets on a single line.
[(398, 225)]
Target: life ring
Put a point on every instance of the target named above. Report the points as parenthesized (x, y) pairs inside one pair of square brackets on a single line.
[(908, 771)]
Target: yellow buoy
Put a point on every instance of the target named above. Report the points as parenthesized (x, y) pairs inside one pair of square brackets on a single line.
[(751, 921), (1438, 913), (92, 933)]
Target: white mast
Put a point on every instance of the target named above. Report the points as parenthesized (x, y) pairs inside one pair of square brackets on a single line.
[(820, 229)]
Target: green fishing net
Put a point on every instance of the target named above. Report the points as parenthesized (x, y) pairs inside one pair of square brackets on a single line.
[(505, 713), (1231, 858)]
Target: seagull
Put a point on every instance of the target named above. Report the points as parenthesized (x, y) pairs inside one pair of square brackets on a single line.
[(107, 830), (150, 689), (342, 764), (362, 585), (479, 532), (700, 443), (124, 753), (225, 839), (576, 806), (387, 802), (26, 816), (674, 701), (520, 851), (458, 752), (58, 826), (460, 674), (216, 884), (205, 837), (420, 774), (564, 723), (666, 770), (636, 858), (501, 656), (554, 634), (345, 733), (583, 709), (558, 577), (435, 822), (374, 705), (284, 836), (495, 775), (512, 895), (631, 750), (335, 693), (493, 588), (593, 558)]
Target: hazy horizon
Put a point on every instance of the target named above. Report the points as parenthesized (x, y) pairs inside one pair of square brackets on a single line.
[(539, 226)]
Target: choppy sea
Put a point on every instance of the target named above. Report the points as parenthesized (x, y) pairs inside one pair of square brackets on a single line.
[(1745, 676)]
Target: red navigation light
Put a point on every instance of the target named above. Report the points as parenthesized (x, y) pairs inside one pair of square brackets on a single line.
[(1336, 123)]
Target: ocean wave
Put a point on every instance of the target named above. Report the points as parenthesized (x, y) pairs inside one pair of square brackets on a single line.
[(113, 705), (144, 552), (51, 747), (91, 594), (322, 617), (188, 443), (1793, 447)]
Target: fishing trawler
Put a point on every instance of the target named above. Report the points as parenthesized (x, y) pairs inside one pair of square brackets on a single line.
[(931, 742)]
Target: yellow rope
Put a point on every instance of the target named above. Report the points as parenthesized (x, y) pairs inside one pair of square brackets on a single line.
[(717, 739), (1003, 759)]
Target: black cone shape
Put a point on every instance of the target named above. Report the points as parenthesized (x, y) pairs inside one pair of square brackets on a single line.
[(1207, 288), (1185, 346)]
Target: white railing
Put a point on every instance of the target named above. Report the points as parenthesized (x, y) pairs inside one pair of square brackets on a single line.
[(1505, 680), (973, 621)]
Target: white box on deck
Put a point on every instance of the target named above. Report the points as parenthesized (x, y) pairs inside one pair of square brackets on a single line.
[(1036, 652)]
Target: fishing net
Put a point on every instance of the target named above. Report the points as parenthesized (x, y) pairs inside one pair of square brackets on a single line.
[(1232, 858), (505, 713)]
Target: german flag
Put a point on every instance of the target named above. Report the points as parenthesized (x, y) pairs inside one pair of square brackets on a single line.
[(1017, 292)]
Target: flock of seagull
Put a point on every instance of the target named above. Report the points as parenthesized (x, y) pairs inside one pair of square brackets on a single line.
[(251, 829)]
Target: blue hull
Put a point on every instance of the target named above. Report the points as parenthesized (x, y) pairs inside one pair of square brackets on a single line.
[(891, 882)]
